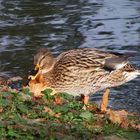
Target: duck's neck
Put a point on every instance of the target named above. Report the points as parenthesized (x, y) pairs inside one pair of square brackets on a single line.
[(49, 79), (49, 76), (48, 70)]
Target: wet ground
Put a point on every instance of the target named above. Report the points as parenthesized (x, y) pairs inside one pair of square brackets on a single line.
[(61, 25)]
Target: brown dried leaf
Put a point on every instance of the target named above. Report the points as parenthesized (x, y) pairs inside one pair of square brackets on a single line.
[(135, 126), (1, 109), (37, 88), (3, 81), (3, 88), (57, 101), (119, 117), (57, 115), (38, 78), (37, 85), (93, 107), (50, 111)]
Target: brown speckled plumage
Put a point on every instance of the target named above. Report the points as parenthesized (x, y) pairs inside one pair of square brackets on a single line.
[(84, 71)]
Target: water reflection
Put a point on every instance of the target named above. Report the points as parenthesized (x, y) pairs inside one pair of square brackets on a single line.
[(63, 25), (119, 25)]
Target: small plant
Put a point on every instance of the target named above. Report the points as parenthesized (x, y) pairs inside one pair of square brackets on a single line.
[(23, 116)]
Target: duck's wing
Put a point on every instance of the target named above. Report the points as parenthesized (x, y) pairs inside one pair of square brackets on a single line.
[(91, 59)]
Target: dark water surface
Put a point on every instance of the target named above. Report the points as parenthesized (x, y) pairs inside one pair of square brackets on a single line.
[(26, 25)]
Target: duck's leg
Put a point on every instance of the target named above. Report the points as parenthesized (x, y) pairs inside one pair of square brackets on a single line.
[(104, 102), (85, 100)]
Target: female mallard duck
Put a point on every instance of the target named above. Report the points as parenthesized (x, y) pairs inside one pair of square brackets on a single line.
[(83, 71)]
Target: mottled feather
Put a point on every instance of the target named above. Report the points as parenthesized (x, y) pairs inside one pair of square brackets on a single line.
[(84, 71)]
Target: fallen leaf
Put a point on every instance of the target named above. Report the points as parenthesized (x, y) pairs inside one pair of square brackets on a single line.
[(36, 99), (51, 112), (57, 115), (38, 78), (119, 117), (57, 101), (3, 81), (93, 107), (37, 85), (47, 109), (135, 126), (3, 88), (37, 88), (99, 123), (1, 109)]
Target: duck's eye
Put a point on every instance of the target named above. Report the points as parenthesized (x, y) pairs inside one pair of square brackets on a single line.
[(42, 58)]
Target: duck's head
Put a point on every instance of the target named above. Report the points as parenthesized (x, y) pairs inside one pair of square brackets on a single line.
[(44, 60)]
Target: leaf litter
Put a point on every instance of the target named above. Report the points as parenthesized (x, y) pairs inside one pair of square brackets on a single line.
[(58, 116)]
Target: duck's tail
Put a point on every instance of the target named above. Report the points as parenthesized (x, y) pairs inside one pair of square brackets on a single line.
[(132, 75), (138, 72)]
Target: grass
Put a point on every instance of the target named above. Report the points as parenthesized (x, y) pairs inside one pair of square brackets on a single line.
[(53, 118)]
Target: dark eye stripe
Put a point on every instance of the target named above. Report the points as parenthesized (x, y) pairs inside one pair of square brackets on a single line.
[(41, 59)]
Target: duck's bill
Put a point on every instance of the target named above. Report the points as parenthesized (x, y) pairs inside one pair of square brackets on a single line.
[(37, 67), (33, 77), (34, 74)]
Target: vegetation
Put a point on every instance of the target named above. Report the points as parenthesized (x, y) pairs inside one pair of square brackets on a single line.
[(23, 116)]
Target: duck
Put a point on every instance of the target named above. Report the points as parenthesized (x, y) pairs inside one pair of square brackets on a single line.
[(84, 71)]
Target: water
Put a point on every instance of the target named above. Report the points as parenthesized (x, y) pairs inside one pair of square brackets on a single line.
[(61, 25)]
